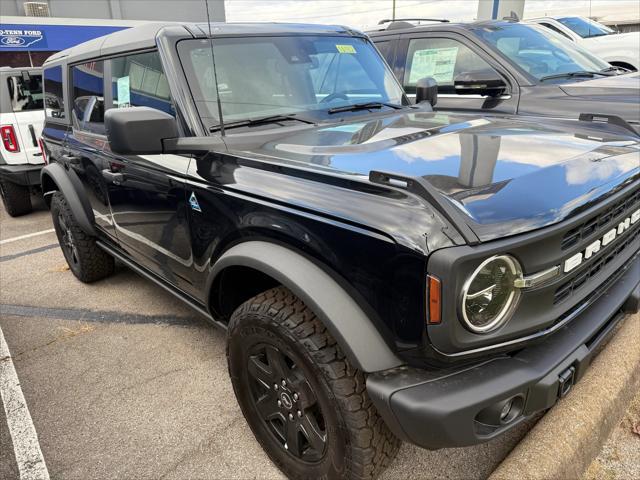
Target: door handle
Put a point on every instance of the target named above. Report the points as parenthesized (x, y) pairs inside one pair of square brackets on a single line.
[(114, 177), (71, 159)]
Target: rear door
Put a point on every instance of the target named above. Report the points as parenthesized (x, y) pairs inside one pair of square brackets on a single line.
[(443, 56), (87, 138), (26, 102)]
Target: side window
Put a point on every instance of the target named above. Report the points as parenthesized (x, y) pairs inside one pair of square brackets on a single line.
[(139, 81), (53, 97), (385, 50), (87, 101), (555, 29), (25, 92), (442, 59)]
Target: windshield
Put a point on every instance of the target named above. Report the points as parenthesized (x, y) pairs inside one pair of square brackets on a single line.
[(263, 76), (539, 51), (585, 27)]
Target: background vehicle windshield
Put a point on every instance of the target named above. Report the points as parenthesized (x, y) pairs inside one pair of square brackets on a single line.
[(263, 76), (25, 93), (538, 51), (585, 27)]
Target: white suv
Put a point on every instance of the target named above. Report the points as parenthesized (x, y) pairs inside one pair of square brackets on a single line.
[(619, 49), (21, 120)]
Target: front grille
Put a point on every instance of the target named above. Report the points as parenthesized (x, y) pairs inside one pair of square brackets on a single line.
[(575, 283), (583, 231)]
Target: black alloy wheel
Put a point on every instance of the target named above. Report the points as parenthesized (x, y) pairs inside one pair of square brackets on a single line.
[(67, 243), (286, 402), (305, 403)]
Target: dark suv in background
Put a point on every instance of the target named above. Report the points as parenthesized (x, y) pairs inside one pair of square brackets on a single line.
[(507, 67), (384, 272)]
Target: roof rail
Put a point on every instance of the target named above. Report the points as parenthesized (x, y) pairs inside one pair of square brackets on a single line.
[(388, 20)]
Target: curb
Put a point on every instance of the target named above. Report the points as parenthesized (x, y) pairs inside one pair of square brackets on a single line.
[(564, 442)]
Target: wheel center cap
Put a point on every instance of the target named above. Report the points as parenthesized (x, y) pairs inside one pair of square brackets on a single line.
[(286, 400)]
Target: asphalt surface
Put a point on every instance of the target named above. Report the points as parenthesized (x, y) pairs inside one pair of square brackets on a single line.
[(122, 381), (619, 458)]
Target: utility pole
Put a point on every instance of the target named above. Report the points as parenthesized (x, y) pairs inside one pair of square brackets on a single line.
[(393, 13)]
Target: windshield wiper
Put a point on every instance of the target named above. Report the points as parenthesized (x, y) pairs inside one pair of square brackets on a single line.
[(364, 106), (614, 69), (581, 73), (250, 122)]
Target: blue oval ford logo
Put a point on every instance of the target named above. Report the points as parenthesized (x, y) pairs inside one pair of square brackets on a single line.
[(13, 41)]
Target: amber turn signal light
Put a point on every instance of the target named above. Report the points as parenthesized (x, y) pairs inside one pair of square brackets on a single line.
[(433, 300)]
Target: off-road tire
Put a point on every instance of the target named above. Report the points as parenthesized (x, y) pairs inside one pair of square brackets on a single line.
[(16, 198), (87, 261), (359, 445)]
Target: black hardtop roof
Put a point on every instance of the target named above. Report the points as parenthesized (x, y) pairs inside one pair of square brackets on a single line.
[(390, 29), (144, 36)]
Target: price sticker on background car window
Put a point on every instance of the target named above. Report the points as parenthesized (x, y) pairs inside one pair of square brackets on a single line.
[(346, 48), (123, 90)]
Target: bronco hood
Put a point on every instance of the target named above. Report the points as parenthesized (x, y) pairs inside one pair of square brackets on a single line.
[(506, 175)]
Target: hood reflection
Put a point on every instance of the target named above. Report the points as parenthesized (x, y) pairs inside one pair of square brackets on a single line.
[(497, 170)]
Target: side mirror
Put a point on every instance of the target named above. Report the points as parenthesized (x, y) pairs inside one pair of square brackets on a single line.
[(138, 130), (427, 91), (482, 82)]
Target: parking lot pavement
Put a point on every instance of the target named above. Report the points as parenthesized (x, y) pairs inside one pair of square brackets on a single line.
[(619, 458), (122, 381)]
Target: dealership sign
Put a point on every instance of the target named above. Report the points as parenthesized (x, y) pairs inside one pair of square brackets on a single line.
[(48, 38), (14, 38)]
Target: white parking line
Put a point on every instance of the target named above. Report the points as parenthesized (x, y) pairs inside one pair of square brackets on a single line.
[(29, 457), (28, 235)]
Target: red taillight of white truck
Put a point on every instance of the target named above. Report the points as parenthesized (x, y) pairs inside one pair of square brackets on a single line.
[(43, 151), (9, 138)]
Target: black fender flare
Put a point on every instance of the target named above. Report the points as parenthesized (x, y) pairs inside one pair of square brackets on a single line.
[(346, 321), (68, 183)]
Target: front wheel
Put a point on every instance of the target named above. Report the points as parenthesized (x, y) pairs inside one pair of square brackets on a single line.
[(307, 406)]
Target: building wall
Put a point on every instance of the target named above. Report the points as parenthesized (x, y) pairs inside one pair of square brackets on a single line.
[(167, 10), (624, 27)]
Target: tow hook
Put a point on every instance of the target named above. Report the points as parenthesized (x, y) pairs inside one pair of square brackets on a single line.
[(565, 381)]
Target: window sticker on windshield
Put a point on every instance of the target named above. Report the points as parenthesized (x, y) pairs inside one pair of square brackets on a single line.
[(124, 97), (438, 63), (346, 48)]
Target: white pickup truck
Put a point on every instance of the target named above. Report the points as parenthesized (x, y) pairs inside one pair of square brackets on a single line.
[(21, 120)]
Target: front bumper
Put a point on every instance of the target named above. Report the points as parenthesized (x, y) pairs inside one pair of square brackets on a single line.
[(463, 407), (25, 174)]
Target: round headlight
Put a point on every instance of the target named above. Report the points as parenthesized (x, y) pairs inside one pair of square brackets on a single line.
[(489, 295)]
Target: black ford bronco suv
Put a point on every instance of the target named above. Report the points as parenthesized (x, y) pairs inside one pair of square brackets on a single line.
[(384, 272)]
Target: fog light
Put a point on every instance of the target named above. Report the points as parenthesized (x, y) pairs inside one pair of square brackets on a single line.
[(502, 413)]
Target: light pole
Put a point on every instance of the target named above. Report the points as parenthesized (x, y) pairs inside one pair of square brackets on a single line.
[(393, 13)]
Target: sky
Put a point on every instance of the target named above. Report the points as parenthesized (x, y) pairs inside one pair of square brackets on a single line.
[(365, 13)]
